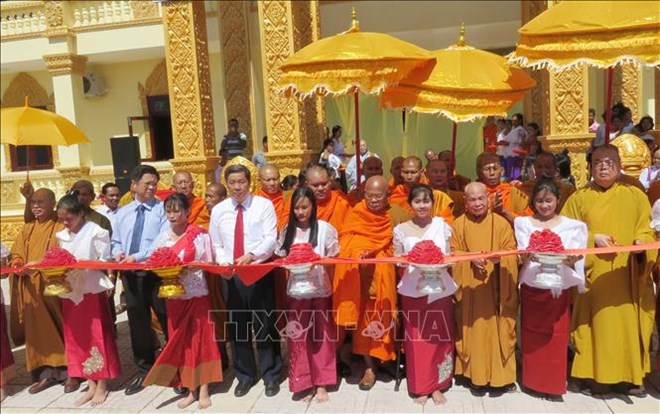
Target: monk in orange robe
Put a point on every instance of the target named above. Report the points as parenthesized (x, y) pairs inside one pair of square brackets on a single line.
[(505, 199), (183, 184), (215, 193), (331, 205), (364, 296), (437, 173), (411, 174), (487, 297), (395, 171), (371, 167), (269, 179), (36, 320), (456, 181), (546, 166)]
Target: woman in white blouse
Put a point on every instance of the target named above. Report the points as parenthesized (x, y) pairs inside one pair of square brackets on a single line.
[(310, 328), (191, 357), (428, 319), (328, 158), (545, 318), (89, 336), (649, 174)]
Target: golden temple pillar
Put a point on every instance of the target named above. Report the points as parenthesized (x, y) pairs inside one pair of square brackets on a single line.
[(189, 82), (295, 128), (536, 104), (627, 88), (235, 49)]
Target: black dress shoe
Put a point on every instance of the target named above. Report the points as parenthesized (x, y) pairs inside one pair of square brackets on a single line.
[(272, 388), (242, 388), (71, 385), (180, 390), (135, 387), (41, 385)]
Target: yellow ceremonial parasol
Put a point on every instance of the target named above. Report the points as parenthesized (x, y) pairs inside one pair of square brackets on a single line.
[(32, 126), (350, 62), (465, 84), (598, 33)]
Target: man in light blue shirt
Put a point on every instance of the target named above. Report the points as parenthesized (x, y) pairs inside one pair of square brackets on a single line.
[(136, 226)]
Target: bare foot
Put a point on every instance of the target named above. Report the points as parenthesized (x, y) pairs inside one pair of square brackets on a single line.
[(307, 398), (87, 396), (204, 397), (421, 400), (368, 380), (100, 394), (438, 398), (321, 395), (187, 401)]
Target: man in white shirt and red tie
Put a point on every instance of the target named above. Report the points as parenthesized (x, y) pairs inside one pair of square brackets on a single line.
[(243, 230)]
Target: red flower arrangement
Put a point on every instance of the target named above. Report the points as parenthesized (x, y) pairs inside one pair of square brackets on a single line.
[(58, 257), (300, 253), (545, 241), (426, 252), (163, 257)]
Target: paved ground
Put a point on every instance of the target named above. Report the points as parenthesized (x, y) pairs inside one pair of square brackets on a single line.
[(346, 399)]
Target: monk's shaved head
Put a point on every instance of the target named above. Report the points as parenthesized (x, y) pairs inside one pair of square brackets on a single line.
[(476, 199), (486, 158), (396, 161), (413, 160), (545, 165), (83, 185), (183, 183), (215, 193), (269, 178), (489, 169), (318, 179), (376, 193), (42, 203), (605, 165), (437, 173), (411, 171), (371, 167)]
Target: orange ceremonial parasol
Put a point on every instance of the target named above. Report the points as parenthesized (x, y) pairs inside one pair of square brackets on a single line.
[(351, 62), (465, 84), (23, 125), (597, 33)]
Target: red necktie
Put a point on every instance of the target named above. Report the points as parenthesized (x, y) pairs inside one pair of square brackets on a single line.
[(239, 248)]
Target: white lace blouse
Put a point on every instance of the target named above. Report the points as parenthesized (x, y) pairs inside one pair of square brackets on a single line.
[(404, 241), (573, 234), (327, 243), (192, 279), (90, 243)]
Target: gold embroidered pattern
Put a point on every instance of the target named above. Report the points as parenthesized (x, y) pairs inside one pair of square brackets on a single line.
[(445, 369), (94, 363)]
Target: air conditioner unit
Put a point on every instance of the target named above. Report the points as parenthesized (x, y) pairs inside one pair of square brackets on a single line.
[(93, 85)]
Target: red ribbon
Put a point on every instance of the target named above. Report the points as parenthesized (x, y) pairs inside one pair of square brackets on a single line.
[(249, 274)]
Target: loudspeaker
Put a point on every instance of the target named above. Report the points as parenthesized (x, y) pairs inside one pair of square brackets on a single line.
[(125, 157)]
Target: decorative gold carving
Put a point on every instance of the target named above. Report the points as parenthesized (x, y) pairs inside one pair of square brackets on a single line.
[(292, 126), (577, 146), (144, 10), (54, 14), (189, 79), (94, 363), (236, 64), (65, 63), (24, 85), (9, 229), (536, 104), (627, 88), (568, 104), (657, 97), (254, 173), (291, 162), (155, 85), (201, 169), (635, 154), (72, 174)]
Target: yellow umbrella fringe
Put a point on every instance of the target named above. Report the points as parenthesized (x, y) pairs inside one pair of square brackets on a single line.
[(551, 64)]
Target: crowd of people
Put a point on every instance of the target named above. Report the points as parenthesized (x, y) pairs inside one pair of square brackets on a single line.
[(595, 327)]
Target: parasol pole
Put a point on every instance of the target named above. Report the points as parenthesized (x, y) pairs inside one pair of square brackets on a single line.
[(453, 147), (608, 104), (358, 161)]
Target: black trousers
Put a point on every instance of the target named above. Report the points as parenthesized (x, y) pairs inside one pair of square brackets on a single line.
[(141, 290), (251, 308)]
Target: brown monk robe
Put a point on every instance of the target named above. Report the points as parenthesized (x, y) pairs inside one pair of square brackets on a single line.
[(487, 296), (269, 180), (371, 166), (331, 205), (365, 296), (412, 173), (504, 199), (546, 166), (456, 182), (437, 173), (36, 320), (183, 183), (215, 193)]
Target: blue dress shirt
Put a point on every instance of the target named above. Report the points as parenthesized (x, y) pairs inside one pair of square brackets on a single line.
[(155, 221)]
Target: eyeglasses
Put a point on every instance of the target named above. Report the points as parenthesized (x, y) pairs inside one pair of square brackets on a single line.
[(604, 162)]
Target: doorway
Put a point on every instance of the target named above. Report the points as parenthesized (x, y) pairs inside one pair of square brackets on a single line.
[(160, 127)]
